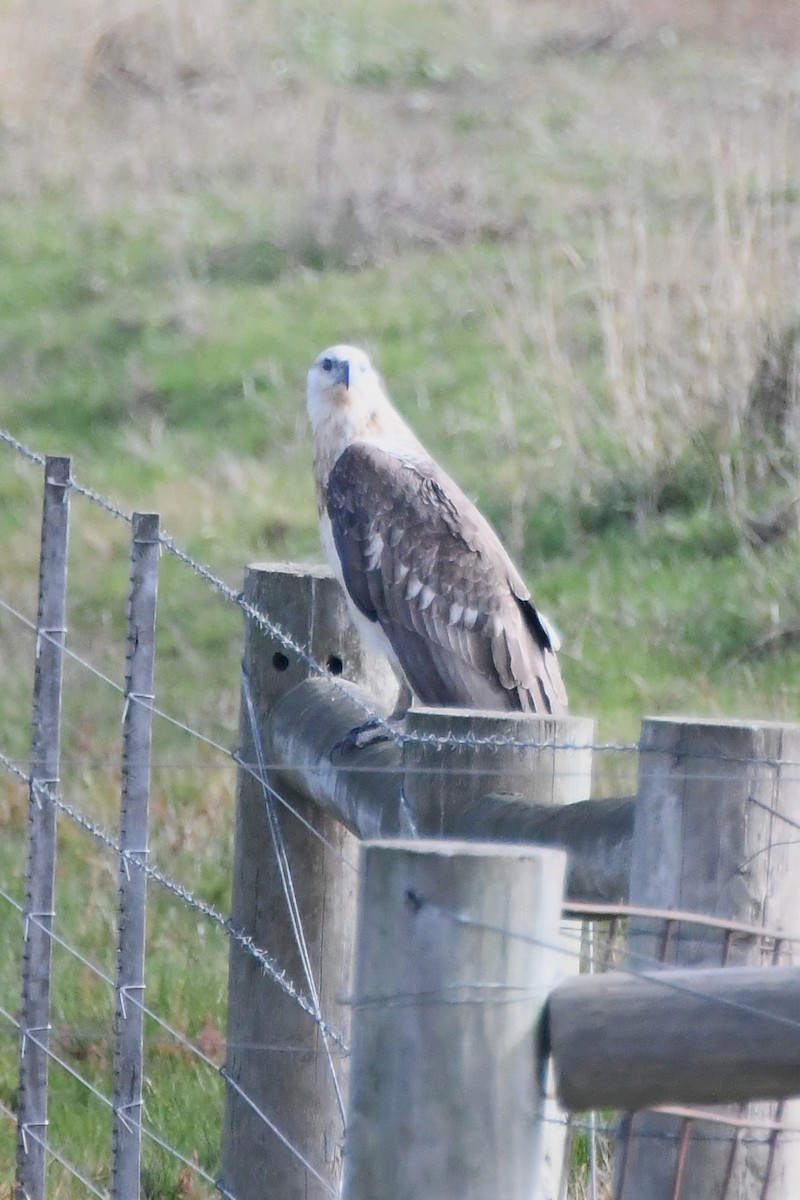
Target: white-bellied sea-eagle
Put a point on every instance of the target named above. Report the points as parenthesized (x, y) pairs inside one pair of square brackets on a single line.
[(426, 577)]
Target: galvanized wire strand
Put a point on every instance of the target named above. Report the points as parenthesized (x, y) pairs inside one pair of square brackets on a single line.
[(100, 1096), (59, 941), (175, 1035), (57, 1156), (287, 882), (270, 968), (188, 1045), (51, 1054), (192, 1166), (656, 978), (271, 629), (255, 770)]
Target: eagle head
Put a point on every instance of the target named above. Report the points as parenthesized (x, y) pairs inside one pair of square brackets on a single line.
[(337, 377), (346, 397), (347, 403)]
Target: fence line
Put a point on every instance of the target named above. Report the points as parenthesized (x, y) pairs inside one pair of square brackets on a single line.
[(267, 964), (257, 769), (44, 1144), (44, 796), (695, 917), (586, 909), (174, 1035), (265, 625), (647, 964)]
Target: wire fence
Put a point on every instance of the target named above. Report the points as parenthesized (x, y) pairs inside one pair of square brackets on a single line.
[(190, 937)]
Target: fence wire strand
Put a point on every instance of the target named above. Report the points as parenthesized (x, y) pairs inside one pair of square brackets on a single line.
[(262, 621), (174, 1035), (270, 968), (479, 993), (62, 1161)]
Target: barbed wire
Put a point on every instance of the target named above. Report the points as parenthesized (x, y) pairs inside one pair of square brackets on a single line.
[(262, 621), (256, 770), (638, 963), (175, 1035), (484, 993), (401, 768), (487, 993), (269, 967)]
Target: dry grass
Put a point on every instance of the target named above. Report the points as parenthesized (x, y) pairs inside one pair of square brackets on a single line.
[(754, 24), (286, 116), (639, 180), (333, 127)]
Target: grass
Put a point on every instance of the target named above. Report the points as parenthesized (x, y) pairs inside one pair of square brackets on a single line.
[(570, 238)]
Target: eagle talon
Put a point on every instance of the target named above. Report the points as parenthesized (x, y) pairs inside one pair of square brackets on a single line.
[(377, 729)]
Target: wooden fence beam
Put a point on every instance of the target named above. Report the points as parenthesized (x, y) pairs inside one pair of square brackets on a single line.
[(283, 1121), (365, 791), (456, 949), (676, 1037), (715, 832), (452, 759), (596, 835), (538, 759), (361, 788), (41, 845)]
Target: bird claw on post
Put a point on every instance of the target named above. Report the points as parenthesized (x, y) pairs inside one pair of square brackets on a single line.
[(377, 729)]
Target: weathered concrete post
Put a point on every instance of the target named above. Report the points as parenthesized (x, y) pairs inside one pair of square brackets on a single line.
[(277, 1054), (715, 832), (451, 760), (457, 950)]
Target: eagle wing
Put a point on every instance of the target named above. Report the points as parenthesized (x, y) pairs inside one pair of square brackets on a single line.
[(419, 559)]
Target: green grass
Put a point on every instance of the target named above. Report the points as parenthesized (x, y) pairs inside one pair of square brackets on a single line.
[(567, 262)]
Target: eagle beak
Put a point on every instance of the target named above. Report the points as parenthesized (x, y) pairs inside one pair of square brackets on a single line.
[(343, 373)]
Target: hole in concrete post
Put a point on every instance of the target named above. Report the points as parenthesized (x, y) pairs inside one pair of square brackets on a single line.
[(334, 664), (279, 661)]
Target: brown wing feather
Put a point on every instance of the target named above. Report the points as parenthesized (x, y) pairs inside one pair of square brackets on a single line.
[(418, 558)]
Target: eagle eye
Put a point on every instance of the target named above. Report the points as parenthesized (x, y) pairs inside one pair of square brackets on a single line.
[(327, 364)]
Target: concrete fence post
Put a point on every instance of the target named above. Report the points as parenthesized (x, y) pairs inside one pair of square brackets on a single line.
[(452, 759), (457, 951), (715, 832), (284, 1119)]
